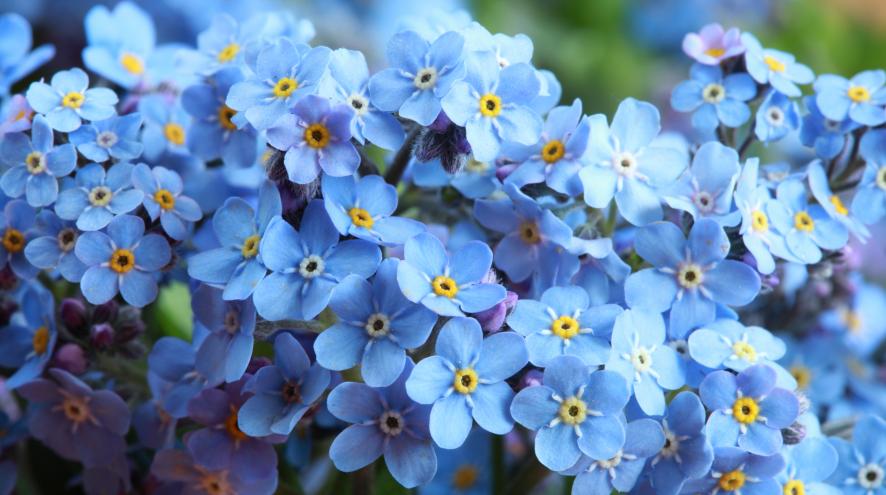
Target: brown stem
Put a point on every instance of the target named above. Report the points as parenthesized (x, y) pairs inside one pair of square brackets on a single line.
[(401, 159)]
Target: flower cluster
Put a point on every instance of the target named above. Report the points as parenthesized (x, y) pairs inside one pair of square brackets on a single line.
[(418, 262)]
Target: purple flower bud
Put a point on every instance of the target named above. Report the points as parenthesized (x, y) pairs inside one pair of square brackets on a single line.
[(793, 434), (105, 312), (445, 141), (7, 308), (71, 358), (101, 335), (492, 319), (73, 315), (129, 324), (530, 379)]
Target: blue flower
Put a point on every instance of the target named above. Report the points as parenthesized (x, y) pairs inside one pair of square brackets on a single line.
[(869, 203), (376, 325), (224, 44), (832, 204), (122, 260), (35, 164), (627, 165), (748, 409), (176, 468), (16, 115), (363, 208), (53, 247), (448, 286), (69, 99), (640, 355), (734, 470), (808, 465), (283, 391), (861, 320), (351, 75), (564, 322), (307, 264), (557, 157), (687, 452), (237, 265), (98, 196), (284, 73), (17, 225), (171, 361), (862, 466), (690, 276), (17, 60), (861, 98), (714, 99), (706, 190), (531, 232), (385, 421), (491, 104), (27, 343), (575, 412), (643, 438), (214, 132), (806, 228), (466, 378), (818, 368), (775, 67), (827, 136), (120, 42), (315, 136), (777, 116), (224, 354), (116, 137), (163, 198), (165, 124), (465, 470), (421, 74)]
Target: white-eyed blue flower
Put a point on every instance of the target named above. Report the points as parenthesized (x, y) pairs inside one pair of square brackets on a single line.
[(97, 196), (776, 117), (714, 99), (53, 247), (705, 191), (36, 164), (116, 137)]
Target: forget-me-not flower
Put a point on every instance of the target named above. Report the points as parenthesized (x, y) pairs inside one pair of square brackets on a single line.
[(776, 117), (97, 196), (165, 125), (714, 99), (17, 60), (713, 44), (807, 228), (116, 137), (826, 136), (687, 453), (808, 465), (705, 191), (163, 199), (734, 470), (53, 247), (862, 466), (778, 68), (869, 203), (69, 99), (36, 164), (225, 352), (17, 225), (831, 202), (27, 343), (120, 42), (862, 98)]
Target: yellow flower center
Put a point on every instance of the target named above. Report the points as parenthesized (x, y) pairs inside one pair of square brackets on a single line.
[(231, 426), (565, 327), (284, 87), (802, 221), (476, 166), (690, 276), (745, 410), (731, 481), (20, 115), (225, 114), (132, 64), (75, 409), (317, 136), (760, 222), (745, 351), (13, 240), (72, 100), (228, 53), (490, 105), (573, 411), (40, 341), (852, 320), (802, 374), (465, 477), (715, 52), (122, 261), (35, 162), (552, 151), (465, 381), (165, 199), (838, 205), (774, 64), (444, 286), (794, 487), (529, 233), (213, 483), (250, 246), (881, 178), (361, 218), (858, 94), (174, 133)]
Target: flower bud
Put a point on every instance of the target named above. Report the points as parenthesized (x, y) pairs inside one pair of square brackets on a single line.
[(531, 378), (129, 324), (106, 312), (101, 335), (794, 434), (73, 315), (71, 358), (492, 319)]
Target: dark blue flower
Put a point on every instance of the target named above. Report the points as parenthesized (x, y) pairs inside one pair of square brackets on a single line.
[(28, 341), (224, 354), (17, 225), (53, 247)]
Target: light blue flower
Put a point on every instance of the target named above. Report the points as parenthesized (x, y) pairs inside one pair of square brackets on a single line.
[(375, 328), (166, 124), (564, 322), (171, 362), (640, 355), (306, 265), (775, 67), (123, 260), (807, 228), (748, 410), (474, 180), (226, 351), (17, 225), (862, 464), (869, 203), (776, 117), (491, 104), (116, 137), (237, 265), (36, 164), (163, 199), (421, 74), (705, 191), (808, 465), (861, 98), (16, 58), (714, 99), (284, 73), (818, 366), (733, 464), (69, 99), (448, 285), (120, 43), (53, 247), (97, 196), (315, 136), (465, 470), (687, 452), (364, 209), (861, 320), (28, 342), (576, 411), (690, 276), (827, 136), (832, 203), (465, 379), (222, 45), (351, 76), (626, 164)]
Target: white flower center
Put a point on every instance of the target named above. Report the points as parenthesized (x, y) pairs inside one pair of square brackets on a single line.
[(359, 103), (391, 423), (311, 266), (703, 201), (870, 476), (66, 239), (378, 325), (106, 139), (426, 78), (713, 93), (775, 117), (100, 196), (625, 164)]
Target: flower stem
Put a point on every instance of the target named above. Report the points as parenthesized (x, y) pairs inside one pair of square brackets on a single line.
[(401, 159)]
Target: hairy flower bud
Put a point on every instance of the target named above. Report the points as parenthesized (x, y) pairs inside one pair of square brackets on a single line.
[(71, 358), (492, 319), (105, 312), (445, 141), (101, 335), (74, 315)]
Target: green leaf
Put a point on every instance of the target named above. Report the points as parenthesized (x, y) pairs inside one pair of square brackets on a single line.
[(171, 315)]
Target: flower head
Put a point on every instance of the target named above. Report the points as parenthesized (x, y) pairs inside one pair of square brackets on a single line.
[(36, 164), (775, 67), (98, 195), (714, 99), (69, 101), (116, 137), (861, 98), (163, 199), (713, 44)]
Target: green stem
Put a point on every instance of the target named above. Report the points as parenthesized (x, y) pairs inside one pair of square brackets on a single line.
[(609, 226), (401, 159)]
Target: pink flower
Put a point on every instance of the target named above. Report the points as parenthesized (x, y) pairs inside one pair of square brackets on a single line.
[(712, 44)]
